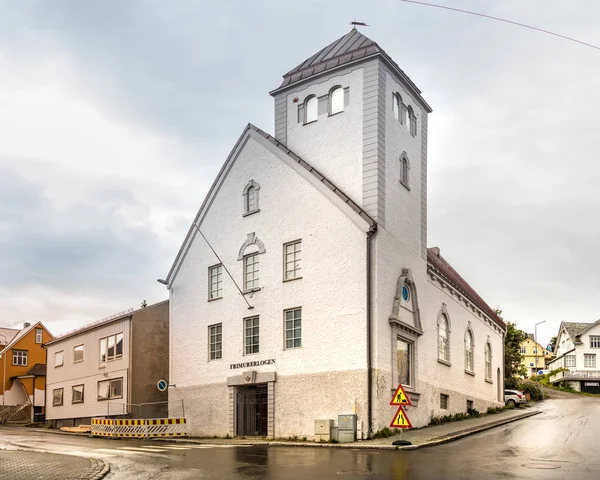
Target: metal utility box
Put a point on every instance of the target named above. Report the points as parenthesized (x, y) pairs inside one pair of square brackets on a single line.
[(346, 428), (323, 430)]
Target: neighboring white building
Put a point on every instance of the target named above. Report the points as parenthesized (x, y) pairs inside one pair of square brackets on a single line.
[(109, 368), (577, 349), (324, 228)]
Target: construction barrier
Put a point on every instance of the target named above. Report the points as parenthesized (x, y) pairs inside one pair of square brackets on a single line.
[(152, 427)]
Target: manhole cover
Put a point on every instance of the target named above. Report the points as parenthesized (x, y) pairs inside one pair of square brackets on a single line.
[(354, 472), (541, 466)]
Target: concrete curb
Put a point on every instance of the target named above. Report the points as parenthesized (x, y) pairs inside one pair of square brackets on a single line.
[(102, 473), (362, 446)]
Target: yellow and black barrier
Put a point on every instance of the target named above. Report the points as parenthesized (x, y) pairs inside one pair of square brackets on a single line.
[(141, 428)]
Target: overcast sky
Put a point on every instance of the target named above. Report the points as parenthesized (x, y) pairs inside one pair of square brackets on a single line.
[(116, 116)]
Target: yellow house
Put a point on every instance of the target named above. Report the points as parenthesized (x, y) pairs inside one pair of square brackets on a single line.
[(23, 370), (535, 357)]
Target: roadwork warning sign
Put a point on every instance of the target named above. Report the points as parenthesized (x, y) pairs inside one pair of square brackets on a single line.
[(400, 397), (400, 420)]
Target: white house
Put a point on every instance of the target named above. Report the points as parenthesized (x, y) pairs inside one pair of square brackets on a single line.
[(577, 345), (304, 288), (109, 368)]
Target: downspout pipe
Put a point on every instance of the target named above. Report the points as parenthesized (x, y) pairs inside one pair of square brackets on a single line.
[(369, 265)]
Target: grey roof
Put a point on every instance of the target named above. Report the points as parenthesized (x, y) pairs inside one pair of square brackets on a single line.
[(352, 47), (574, 329), (9, 333)]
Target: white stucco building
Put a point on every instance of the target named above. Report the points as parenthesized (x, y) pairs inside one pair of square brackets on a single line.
[(323, 228), (576, 363)]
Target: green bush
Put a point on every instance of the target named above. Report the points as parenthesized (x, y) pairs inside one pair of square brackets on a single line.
[(384, 433), (494, 410), (533, 389), (473, 413)]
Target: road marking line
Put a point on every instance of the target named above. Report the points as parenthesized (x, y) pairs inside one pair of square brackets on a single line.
[(121, 452), (141, 449), (85, 454), (169, 447)]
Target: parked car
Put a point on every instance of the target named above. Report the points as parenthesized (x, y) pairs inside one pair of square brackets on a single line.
[(514, 397)]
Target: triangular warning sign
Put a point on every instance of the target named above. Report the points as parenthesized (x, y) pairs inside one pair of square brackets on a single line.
[(400, 420), (400, 397)]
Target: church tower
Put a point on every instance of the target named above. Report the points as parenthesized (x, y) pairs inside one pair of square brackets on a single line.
[(353, 114)]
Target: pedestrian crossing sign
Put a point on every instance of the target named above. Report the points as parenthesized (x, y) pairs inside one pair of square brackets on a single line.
[(400, 420), (400, 397)]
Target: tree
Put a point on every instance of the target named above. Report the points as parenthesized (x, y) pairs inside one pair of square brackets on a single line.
[(553, 343), (513, 368)]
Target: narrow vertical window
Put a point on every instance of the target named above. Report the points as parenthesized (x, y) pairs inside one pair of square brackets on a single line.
[(103, 342), (251, 271), (215, 282), (488, 362), (291, 260), (38, 335), (404, 116), (404, 360), (469, 351), (293, 328), (404, 168), (251, 197), (443, 339), (336, 100), (396, 102), (119, 345), (251, 335), (413, 122), (215, 334), (311, 109), (111, 347)]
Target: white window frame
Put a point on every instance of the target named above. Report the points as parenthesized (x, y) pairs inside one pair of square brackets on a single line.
[(292, 257), (411, 361), (78, 348), (215, 341), (251, 198), (469, 352), (252, 283), (292, 326), (404, 170), (396, 105), (55, 402), (114, 339), (311, 116), (570, 359), (215, 282), (488, 361), (39, 335), (589, 360), (523, 350), (109, 394), (251, 338), (594, 341), (412, 124), (20, 358), (444, 342), (59, 358), (336, 100), (73, 390), (404, 115)]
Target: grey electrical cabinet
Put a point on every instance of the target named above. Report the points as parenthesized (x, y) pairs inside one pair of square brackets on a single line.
[(346, 428)]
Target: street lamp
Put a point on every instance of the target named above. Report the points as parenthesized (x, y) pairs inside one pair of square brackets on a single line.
[(4, 374)]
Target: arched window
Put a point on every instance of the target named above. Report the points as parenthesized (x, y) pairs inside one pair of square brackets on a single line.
[(409, 119), (413, 122), (311, 109), (251, 197), (396, 103), (403, 115), (488, 361), (443, 338), (336, 100), (404, 167), (469, 351)]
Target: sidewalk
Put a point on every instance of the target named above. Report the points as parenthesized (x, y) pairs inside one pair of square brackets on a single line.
[(419, 438), (17, 464)]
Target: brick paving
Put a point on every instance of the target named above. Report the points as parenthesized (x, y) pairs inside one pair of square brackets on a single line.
[(22, 465)]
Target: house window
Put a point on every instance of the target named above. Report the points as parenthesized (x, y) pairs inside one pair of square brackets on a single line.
[(589, 360), (59, 358), (311, 109), (469, 351), (336, 100), (594, 341), (469, 405), (569, 360), (216, 282), (413, 122), (523, 350), (293, 328), (488, 362), (404, 167), (292, 254), (215, 335), (250, 195), (38, 335), (57, 397), (444, 401), (404, 115), (19, 358), (535, 351), (396, 103), (251, 335), (443, 338), (111, 347), (404, 358), (77, 394), (78, 353), (108, 389), (251, 271)]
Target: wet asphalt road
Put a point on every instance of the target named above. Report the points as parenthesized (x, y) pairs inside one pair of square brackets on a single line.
[(563, 442)]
